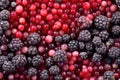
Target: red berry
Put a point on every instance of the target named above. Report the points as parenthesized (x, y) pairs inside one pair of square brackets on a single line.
[(48, 39), (86, 5), (19, 9)]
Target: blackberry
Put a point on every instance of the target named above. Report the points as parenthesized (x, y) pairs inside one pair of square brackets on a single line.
[(116, 30), (114, 52), (60, 56), (83, 55), (58, 77), (101, 22), (33, 38), (89, 46), (49, 61), (32, 71), (3, 39), (19, 60), (32, 50), (13, 4), (4, 15), (96, 41), (86, 23), (73, 45), (58, 39), (104, 35), (59, 1), (8, 66), (37, 60), (109, 75), (3, 59), (10, 55), (4, 4), (116, 18), (110, 42), (118, 3), (66, 38), (44, 75), (1, 31), (15, 44), (4, 25), (29, 60), (117, 61), (54, 70), (96, 57), (101, 49), (81, 45), (108, 60), (84, 35), (73, 35)]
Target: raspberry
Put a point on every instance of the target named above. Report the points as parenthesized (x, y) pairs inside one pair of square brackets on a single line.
[(81, 45), (44, 75), (109, 75), (8, 66), (83, 55), (4, 15), (37, 60), (54, 70), (97, 41), (116, 18), (116, 30), (96, 57), (49, 61), (60, 56), (104, 35), (4, 4), (15, 44), (101, 22), (19, 60), (114, 52), (73, 45), (32, 71), (101, 49), (32, 50), (85, 22), (66, 38), (58, 77), (84, 35), (33, 38), (3, 59)]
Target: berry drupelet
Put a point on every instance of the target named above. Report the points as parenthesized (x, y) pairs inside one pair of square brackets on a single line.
[(101, 22), (54, 70), (109, 75), (8, 66), (19, 60), (4, 25), (49, 61), (58, 77), (4, 15), (33, 38), (32, 50), (116, 18), (114, 52), (3, 59), (15, 44), (44, 75), (32, 71), (73, 45), (60, 56), (37, 60), (84, 35), (96, 57), (115, 30)]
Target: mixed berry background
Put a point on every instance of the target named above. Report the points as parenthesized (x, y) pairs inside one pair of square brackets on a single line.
[(59, 40)]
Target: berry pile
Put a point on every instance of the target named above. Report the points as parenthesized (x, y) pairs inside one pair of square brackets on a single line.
[(59, 39)]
